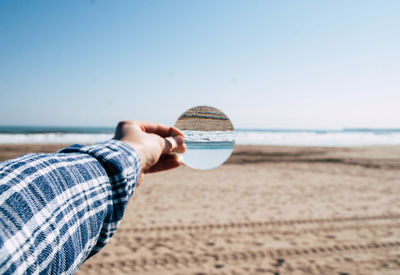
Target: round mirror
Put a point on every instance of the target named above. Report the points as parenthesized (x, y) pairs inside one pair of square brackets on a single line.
[(209, 137)]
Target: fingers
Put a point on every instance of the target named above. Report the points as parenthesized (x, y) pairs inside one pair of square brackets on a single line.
[(174, 144), (166, 162), (181, 145), (160, 129), (154, 142)]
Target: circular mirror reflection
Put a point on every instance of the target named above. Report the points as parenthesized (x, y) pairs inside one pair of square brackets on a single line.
[(209, 137)]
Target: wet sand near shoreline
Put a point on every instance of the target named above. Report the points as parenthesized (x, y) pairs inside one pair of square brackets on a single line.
[(268, 210)]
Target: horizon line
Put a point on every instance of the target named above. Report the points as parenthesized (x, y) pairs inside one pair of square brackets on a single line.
[(236, 129)]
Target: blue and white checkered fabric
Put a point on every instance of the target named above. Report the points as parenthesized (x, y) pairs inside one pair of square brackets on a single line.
[(56, 210)]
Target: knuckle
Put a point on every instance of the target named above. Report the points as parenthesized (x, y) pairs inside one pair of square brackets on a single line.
[(121, 124), (125, 123)]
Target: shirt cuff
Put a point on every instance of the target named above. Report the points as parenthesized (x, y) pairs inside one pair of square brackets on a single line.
[(123, 166)]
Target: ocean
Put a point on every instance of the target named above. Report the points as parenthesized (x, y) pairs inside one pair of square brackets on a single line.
[(298, 137)]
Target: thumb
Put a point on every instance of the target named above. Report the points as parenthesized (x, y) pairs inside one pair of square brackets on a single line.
[(171, 144)]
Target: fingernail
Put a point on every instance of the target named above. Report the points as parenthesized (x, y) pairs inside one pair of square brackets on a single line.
[(179, 140), (180, 159), (172, 143)]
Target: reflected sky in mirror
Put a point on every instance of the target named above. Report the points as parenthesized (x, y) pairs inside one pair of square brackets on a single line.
[(208, 149)]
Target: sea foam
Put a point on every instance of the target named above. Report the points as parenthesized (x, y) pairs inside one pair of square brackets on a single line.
[(317, 138), (249, 137), (53, 138), (209, 136)]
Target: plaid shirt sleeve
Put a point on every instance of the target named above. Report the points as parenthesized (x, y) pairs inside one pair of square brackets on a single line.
[(57, 210)]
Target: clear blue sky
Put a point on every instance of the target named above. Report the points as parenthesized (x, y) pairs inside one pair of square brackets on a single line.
[(266, 64)]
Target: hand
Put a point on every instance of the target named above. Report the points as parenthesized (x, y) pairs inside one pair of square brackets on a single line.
[(155, 143)]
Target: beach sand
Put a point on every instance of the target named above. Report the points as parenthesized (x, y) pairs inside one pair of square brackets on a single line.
[(269, 210), (204, 118)]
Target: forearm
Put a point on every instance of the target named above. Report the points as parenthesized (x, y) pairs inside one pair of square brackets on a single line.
[(57, 210)]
